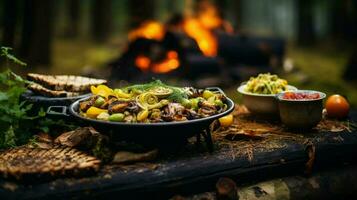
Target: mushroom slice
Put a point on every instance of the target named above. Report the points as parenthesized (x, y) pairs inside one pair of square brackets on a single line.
[(117, 107), (85, 105)]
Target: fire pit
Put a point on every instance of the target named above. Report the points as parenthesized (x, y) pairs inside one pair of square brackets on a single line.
[(194, 47)]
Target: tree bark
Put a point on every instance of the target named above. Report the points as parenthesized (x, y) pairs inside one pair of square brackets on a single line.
[(9, 22), (101, 19), (73, 8), (306, 33), (140, 11), (238, 14), (334, 184), (26, 29), (222, 7), (37, 32), (350, 72), (226, 189), (343, 19)]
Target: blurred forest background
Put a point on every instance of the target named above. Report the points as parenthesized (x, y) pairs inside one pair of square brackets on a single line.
[(77, 36)]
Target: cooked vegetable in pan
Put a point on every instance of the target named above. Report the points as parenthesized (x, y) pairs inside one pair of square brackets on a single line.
[(150, 103), (266, 84)]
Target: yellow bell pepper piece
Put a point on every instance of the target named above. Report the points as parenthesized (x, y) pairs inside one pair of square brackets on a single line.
[(121, 94), (93, 112), (102, 90), (226, 120), (93, 89), (143, 115)]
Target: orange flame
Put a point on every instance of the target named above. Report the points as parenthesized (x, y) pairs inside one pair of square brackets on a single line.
[(171, 62), (143, 62), (209, 16), (149, 30), (200, 28), (205, 39)]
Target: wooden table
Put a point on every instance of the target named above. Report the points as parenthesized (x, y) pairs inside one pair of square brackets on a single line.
[(270, 153)]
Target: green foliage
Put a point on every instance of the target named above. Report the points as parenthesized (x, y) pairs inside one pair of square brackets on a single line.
[(13, 113), (4, 52), (177, 95), (101, 151), (16, 125), (48, 125)]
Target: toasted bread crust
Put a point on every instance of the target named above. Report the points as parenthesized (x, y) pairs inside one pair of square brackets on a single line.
[(65, 82), (39, 89), (23, 161)]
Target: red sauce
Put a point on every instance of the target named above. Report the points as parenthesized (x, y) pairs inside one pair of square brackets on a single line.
[(300, 96)]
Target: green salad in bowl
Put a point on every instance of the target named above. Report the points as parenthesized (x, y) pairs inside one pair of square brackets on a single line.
[(259, 93), (266, 84)]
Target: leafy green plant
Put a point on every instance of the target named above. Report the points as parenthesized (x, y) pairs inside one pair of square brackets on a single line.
[(16, 125), (13, 115), (5, 52)]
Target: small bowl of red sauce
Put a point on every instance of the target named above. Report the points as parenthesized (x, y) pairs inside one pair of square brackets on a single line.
[(301, 109)]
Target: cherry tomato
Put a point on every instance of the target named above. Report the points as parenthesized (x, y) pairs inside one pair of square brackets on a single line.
[(337, 106)]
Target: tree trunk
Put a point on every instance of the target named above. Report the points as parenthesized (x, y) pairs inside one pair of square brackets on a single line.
[(9, 22), (238, 14), (343, 19), (101, 19), (73, 8), (350, 72), (26, 29), (306, 33), (222, 7), (37, 32), (140, 11)]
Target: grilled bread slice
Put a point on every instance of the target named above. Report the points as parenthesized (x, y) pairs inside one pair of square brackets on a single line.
[(65, 82), (39, 89), (32, 163)]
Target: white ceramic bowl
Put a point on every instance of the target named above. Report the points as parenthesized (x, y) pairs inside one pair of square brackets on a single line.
[(261, 104)]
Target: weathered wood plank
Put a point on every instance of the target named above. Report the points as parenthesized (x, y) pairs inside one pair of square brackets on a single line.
[(328, 184), (196, 172)]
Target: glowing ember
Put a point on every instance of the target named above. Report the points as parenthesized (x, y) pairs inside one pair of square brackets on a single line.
[(142, 62), (171, 62), (149, 30), (199, 27)]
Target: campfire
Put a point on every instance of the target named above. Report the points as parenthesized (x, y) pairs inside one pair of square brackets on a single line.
[(191, 46)]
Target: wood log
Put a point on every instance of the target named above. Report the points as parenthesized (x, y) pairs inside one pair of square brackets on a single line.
[(197, 65), (324, 185), (226, 189), (249, 50)]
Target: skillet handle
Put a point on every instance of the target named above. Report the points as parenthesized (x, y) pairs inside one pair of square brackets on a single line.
[(59, 111), (217, 89)]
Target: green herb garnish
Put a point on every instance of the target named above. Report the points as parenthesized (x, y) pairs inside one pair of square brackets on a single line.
[(177, 95)]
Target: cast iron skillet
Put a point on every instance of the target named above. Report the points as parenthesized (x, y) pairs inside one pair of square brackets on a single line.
[(42, 102), (144, 133)]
